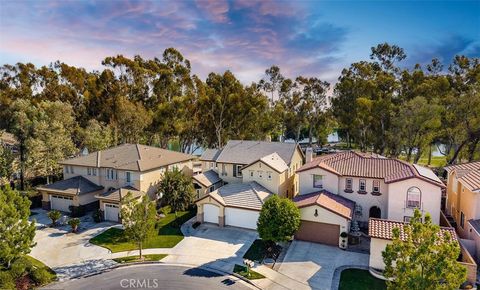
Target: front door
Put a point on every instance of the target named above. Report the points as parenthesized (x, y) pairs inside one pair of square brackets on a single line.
[(375, 212)]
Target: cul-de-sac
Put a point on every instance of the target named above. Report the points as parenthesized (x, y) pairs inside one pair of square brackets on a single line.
[(239, 144)]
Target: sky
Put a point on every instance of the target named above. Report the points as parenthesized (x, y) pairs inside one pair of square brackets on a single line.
[(308, 38)]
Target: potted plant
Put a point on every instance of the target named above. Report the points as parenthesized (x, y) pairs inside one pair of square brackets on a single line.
[(54, 215), (74, 223), (343, 240)]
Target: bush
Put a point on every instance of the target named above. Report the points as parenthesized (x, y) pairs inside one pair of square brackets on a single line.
[(74, 223), (97, 216), (20, 267), (54, 215), (6, 281), (40, 276)]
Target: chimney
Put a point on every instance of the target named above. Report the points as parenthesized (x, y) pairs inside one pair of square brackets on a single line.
[(308, 155)]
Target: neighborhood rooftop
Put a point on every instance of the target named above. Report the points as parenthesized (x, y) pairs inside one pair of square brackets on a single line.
[(332, 202), (208, 178), (274, 161), (468, 174), (246, 152), (120, 193), (383, 229), (77, 185), (134, 157), (351, 163)]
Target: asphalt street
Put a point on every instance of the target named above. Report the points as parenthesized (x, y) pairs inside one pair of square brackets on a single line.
[(154, 277)]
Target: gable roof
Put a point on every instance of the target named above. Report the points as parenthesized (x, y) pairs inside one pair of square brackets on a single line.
[(250, 195), (120, 193), (246, 152), (332, 202), (77, 185), (383, 229), (207, 178), (210, 154), (133, 157), (468, 174), (272, 160), (351, 163)]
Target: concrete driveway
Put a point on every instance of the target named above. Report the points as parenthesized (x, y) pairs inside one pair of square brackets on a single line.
[(315, 264)]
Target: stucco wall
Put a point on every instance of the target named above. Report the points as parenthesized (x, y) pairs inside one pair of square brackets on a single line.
[(209, 200), (272, 184), (377, 246), (229, 171), (430, 199), (324, 216), (330, 181)]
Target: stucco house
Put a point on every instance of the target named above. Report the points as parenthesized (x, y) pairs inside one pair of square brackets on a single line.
[(206, 182), (104, 177)]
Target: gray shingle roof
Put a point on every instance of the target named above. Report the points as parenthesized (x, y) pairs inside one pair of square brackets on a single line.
[(120, 193), (208, 178), (246, 152), (77, 185), (134, 157), (210, 154), (249, 195)]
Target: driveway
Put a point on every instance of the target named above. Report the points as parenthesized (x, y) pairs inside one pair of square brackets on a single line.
[(315, 264)]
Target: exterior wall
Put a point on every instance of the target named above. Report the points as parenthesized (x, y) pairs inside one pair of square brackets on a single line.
[(207, 165), (324, 216), (292, 184), (452, 196), (200, 203), (431, 196), (377, 246), (273, 184), (149, 181), (229, 173), (87, 198), (475, 236), (330, 181), (205, 190)]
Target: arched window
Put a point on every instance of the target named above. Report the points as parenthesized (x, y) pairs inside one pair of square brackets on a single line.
[(414, 196)]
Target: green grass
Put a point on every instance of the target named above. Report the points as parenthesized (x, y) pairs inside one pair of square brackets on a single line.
[(437, 161), (360, 280), (256, 252), (242, 271), (39, 264), (132, 259), (168, 235)]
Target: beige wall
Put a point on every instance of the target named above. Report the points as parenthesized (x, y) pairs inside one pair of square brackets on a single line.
[(324, 216), (209, 200), (272, 184), (330, 181), (377, 246), (205, 190), (77, 199)]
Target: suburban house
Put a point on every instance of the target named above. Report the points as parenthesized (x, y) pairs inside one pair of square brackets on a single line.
[(250, 171), (103, 178)]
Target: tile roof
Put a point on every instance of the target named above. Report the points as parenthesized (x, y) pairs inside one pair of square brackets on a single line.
[(273, 160), (207, 178), (77, 185), (246, 152), (465, 166), (210, 154), (468, 174), (471, 180), (120, 193), (332, 202), (351, 163), (383, 229), (133, 157), (250, 195)]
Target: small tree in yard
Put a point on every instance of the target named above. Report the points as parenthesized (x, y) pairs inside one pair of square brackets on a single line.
[(279, 219), (54, 215), (74, 223), (138, 219), (177, 190), (16, 231), (423, 257)]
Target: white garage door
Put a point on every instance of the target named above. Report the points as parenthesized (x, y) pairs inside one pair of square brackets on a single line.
[(111, 212), (61, 203), (241, 218), (210, 213)]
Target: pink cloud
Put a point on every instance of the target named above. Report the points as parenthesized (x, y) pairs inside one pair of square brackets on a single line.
[(216, 10)]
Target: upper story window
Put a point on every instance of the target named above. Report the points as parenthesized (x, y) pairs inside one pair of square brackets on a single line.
[(413, 197), (348, 184), (251, 173), (224, 171), (71, 169), (94, 171), (462, 219), (260, 174), (269, 175), (212, 165), (66, 169), (212, 188), (317, 181), (362, 185), (89, 171), (376, 186), (111, 174), (128, 176), (237, 171)]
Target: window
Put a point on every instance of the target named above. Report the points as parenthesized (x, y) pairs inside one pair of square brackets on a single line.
[(317, 181), (129, 177), (407, 219), (89, 171), (269, 175), (237, 172), (224, 172), (376, 186), (94, 171), (413, 197), (212, 188), (362, 186), (211, 165), (251, 173), (462, 219), (66, 169), (71, 169), (260, 174), (348, 184)]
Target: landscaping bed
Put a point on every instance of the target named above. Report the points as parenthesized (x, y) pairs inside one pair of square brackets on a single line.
[(168, 234), (134, 259), (259, 250), (360, 280), (250, 275), (26, 273)]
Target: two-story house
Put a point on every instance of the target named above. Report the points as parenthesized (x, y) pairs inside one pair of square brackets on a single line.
[(250, 171), (378, 187), (104, 177)]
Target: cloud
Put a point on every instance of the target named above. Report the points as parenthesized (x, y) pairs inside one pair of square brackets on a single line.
[(215, 10)]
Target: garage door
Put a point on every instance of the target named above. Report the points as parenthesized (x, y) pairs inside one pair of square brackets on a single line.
[(318, 232), (111, 212), (241, 218), (210, 213), (61, 203)]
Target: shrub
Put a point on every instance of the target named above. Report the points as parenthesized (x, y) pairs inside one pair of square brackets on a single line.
[(6, 281), (343, 235), (74, 223), (97, 216), (54, 215), (40, 276), (20, 267)]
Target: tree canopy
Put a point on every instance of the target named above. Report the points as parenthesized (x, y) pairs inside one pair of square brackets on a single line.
[(279, 219)]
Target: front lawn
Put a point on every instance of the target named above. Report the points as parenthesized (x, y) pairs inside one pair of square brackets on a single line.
[(26, 273), (168, 234), (360, 280), (242, 271), (132, 259)]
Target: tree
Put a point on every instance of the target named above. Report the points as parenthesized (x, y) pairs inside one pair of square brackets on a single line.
[(6, 164), (96, 136), (54, 215), (423, 257), (138, 219), (16, 231), (279, 219), (176, 189)]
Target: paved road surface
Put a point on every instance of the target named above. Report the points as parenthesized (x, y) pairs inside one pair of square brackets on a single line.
[(154, 277)]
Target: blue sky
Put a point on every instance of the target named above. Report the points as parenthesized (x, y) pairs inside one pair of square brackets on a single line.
[(310, 38)]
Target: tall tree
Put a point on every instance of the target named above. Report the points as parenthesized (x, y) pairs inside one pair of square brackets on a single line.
[(279, 219), (176, 190)]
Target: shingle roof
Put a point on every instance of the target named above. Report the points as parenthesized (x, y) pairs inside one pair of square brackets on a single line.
[(383, 229), (134, 157), (350, 163), (246, 152), (77, 185), (274, 161), (207, 178), (210, 154), (120, 193), (332, 202), (249, 195), (468, 174)]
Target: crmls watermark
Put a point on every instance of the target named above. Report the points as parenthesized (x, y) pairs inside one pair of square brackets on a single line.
[(139, 283)]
